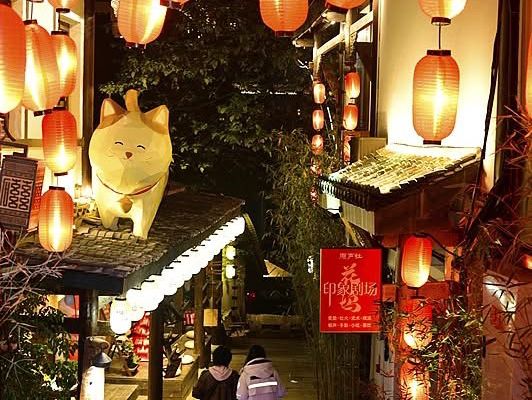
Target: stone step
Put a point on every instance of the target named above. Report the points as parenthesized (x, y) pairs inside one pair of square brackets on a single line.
[(121, 392)]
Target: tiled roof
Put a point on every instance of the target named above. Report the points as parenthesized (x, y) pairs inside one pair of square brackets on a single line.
[(394, 172), (115, 261)]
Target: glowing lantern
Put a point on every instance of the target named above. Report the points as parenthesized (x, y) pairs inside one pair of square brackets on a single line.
[(417, 324), (41, 91), (12, 58), (319, 93), (442, 11), (352, 85), (414, 379), (344, 4), (59, 140), (67, 61), (416, 261), (528, 95), (140, 21), (230, 252), (317, 144), (315, 168), (284, 17), (230, 271), (318, 120), (314, 194), (350, 117), (119, 316), (56, 217), (527, 261), (436, 86), (63, 6)]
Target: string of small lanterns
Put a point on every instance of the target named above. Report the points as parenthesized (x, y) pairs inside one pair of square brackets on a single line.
[(131, 306)]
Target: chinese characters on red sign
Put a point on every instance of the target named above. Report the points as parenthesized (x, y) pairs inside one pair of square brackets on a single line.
[(350, 290)]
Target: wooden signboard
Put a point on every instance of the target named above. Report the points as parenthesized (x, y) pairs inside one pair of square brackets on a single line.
[(21, 181)]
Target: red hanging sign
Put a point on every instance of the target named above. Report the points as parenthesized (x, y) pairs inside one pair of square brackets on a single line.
[(350, 290)]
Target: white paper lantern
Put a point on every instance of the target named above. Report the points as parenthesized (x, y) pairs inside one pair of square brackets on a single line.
[(230, 252), (230, 271), (134, 299), (120, 316), (168, 284), (186, 266), (152, 294)]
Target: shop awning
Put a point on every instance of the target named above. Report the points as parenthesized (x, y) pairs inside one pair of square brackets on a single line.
[(114, 261), (394, 189)]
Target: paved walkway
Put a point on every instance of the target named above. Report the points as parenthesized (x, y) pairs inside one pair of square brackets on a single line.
[(291, 358)]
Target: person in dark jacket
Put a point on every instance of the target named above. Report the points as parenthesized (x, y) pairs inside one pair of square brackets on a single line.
[(258, 379), (219, 382)]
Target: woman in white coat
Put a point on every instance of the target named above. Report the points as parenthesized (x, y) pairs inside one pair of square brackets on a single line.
[(258, 379)]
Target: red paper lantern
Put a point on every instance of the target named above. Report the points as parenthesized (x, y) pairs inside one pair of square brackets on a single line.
[(414, 381), (12, 58), (442, 11), (344, 4), (318, 120), (416, 261), (436, 86), (63, 6), (67, 61), (350, 117), (417, 324), (56, 218), (59, 140), (318, 90), (528, 94), (352, 85), (41, 91), (284, 17), (317, 144), (140, 21)]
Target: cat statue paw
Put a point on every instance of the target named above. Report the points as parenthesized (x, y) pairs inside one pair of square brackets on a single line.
[(130, 153)]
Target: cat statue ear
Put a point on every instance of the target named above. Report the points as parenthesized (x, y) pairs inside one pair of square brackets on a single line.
[(110, 109), (158, 118)]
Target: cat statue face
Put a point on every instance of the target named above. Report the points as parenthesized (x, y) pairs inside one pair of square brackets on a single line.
[(130, 152)]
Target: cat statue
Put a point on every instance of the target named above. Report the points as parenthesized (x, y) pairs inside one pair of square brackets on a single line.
[(130, 152)]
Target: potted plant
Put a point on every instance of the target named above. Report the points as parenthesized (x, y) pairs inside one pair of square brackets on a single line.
[(130, 358)]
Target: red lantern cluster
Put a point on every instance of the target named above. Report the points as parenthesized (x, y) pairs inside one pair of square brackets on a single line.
[(56, 218), (59, 136), (42, 88), (140, 21), (284, 17), (12, 59), (318, 120), (317, 144), (350, 117), (318, 90), (344, 4), (63, 6), (416, 261), (442, 11), (352, 85), (436, 86), (417, 324), (67, 61), (414, 381)]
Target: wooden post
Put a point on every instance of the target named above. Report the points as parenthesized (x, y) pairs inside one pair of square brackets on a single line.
[(88, 324), (155, 367), (179, 307), (88, 86), (199, 331)]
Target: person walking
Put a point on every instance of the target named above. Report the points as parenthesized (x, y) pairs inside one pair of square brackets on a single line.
[(258, 379), (219, 382)]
